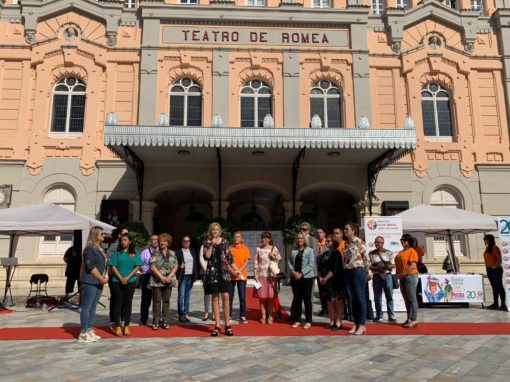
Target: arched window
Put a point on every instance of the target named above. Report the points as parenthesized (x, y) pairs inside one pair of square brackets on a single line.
[(68, 106), (325, 101), (256, 103), (450, 198), (436, 112), (57, 245), (185, 103)]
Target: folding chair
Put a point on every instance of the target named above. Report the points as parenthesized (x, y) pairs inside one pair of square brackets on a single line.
[(38, 285)]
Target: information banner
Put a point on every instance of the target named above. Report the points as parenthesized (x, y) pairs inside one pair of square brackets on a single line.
[(504, 238), (252, 240), (452, 288), (390, 228)]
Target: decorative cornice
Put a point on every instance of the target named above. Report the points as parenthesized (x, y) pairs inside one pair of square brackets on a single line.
[(259, 138)]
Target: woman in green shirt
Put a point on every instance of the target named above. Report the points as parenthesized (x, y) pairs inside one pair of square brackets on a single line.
[(124, 264)]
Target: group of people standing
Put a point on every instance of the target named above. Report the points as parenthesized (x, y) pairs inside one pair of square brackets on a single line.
[(339, 262)]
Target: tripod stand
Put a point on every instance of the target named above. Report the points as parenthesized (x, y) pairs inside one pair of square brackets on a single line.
[(66, 303), (10, 264)]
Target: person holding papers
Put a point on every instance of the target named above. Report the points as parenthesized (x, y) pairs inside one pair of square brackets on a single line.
[(241, 255), (302, 269), (268, 289)]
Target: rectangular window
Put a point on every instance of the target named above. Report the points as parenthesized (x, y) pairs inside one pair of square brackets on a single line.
[(429, 123), (402, 4), (129, 3), (176, 110), (451, 3), (476, 5), (77, 114), (334, 113), (264, 109), (194, 111), (256, 3), (188, 1), (58, 123), (247, 112), (317, 107), (444, 118), (321, 3), (377, 7)]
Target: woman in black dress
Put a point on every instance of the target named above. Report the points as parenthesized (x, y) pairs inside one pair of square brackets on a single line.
[(331, 277), (220, 265)]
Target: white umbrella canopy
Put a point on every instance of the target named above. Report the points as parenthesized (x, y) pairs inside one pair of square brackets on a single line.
[(46, 219), (435, 220), (446, 221)]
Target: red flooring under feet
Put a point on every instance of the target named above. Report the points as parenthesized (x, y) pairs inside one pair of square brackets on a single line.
[(254, 328)]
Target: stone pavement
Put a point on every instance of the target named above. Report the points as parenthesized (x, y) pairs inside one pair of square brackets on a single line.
[(309, 358)]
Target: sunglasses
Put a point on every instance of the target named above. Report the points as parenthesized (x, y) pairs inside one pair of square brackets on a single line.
[(186, 241), (305, 229)]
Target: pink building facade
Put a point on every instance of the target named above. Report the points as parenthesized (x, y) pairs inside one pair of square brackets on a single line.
[(254, 111)]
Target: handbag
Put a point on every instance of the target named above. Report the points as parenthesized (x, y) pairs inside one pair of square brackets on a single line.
[(274, 267)]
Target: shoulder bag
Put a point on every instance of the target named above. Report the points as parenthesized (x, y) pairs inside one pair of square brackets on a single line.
[(396, 284), (274, 268)]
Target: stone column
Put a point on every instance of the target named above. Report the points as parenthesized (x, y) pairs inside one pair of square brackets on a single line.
[(221, 86), (361, 72), (147, 213), (216, 208), (149, 72), (502, 19), (291, 89), (287, 206)]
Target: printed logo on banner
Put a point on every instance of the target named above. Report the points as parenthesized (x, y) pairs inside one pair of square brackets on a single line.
[(452, 288), (504, 237)]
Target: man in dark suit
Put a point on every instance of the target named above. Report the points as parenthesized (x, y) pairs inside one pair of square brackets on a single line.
[(187, 275)]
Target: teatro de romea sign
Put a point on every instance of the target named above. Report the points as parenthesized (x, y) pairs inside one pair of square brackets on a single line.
[(254, 36)]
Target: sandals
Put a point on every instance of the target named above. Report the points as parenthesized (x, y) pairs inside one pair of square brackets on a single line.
[(165, 325), (228, 331), (307, 326), (155, 326), (216, 332)]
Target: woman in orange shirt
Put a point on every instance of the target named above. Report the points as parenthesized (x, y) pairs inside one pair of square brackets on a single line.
[(492, 259), (241, 255), (407, 273)]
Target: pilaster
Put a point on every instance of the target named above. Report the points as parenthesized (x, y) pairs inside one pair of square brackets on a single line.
[(221, 211), (220, 86), (291, 89), (149, 72), (361, 72)]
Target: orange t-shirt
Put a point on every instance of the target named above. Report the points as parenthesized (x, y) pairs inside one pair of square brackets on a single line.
[(404, 259), (341, 247), (493, 257), (240, 254)]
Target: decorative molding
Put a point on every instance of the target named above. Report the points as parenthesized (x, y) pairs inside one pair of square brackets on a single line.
[(148, 136)]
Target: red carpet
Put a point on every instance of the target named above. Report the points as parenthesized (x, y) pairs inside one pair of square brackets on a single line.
[(254, 328)]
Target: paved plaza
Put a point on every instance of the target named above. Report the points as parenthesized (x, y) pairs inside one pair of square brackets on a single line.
[(305, 358)]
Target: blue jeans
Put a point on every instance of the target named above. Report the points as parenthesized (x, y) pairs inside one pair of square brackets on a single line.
[(379, 285), (241, 292), (408, 287), (90, 295), (184, 294), (356, 281)]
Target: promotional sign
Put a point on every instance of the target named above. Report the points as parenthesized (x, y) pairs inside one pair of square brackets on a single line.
[(389, 228), (252, 240), (504, 238), (451, 288)]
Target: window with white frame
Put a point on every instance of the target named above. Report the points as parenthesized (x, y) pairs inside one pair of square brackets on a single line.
[(402, 4), (476, 5), (185, 103), (256, 103), (377, 7), (129, 4), (321, 3), (450, 198), (188, 1), (325, 101), (256, 3), (436, 113), (51, 245), (68, 109)]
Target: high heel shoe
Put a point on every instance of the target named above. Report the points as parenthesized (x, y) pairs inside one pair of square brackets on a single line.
[(353, 330), (205, 317), (411, 326), (360, 331)]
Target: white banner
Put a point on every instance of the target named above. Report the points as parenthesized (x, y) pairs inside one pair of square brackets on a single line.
[(504, 238), (390, 228), (252, 240), (452, 288)]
